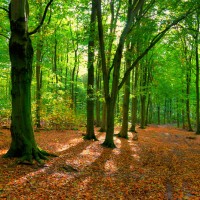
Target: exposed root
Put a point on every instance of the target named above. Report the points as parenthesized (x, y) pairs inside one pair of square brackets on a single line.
[(122, 136), (28, 158)]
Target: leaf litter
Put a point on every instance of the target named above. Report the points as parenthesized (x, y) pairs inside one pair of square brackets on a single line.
[(162, 164)]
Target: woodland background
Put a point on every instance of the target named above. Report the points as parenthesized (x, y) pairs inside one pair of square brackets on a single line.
[(165, 86)]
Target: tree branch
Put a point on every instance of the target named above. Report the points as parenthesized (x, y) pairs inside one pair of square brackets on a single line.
[(4, 9), (5, 36), (155, 40), (43, 18)]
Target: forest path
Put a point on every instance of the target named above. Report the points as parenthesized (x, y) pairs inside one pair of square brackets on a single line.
[(162, 164)]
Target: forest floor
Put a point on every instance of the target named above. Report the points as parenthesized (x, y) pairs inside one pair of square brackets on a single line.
[(163, 164)]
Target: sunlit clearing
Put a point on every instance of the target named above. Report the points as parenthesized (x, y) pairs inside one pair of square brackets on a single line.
[(110, 166), (69, 144)]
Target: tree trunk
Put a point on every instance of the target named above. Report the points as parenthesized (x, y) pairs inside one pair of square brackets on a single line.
[(197, 75), (188, 81), (104, 118), (158, 114), (98, 88), (124, 129), (90, 90), (134, 100), (38, 80), (143, 102), (109, 142), (23, 143)]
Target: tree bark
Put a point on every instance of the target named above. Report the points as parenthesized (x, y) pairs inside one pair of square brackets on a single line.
[(134, 100), (23, 144), (124, 129), (197, 75), (90, 90)]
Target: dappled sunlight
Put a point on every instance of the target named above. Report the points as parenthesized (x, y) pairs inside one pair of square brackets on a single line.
[(87, 156), (117, 142), (26, 177), (69, 144), (110, 166), (136, 156), (85, 169), (84, 185)]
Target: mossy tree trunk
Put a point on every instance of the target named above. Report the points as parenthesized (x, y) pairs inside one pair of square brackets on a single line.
[(23, 144)]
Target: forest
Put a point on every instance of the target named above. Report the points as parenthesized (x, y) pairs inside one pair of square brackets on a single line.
[(99, 99)]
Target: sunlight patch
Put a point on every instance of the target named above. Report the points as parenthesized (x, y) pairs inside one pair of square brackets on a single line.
[(71, 143), (118, 142), (83, 185), (136, 156), (110, 166), (3, 151), (86, 157)]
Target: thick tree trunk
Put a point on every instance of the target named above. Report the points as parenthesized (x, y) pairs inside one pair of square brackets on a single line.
[(23, 143)]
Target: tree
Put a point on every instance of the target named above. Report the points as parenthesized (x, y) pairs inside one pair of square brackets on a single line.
[(124, 129), (23, 143), (90, 90), (196, 37), (111, 88)]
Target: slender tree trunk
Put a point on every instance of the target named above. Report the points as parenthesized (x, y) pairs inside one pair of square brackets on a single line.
[(197, 76), (134, 100), (38, 80), (143, 102), (177, 113), (124, 129), (90, 90), (98, 88), (23, 142), (188, 80), (104, 118)]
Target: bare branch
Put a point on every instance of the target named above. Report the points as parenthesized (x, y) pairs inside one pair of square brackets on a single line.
[(43, 18)]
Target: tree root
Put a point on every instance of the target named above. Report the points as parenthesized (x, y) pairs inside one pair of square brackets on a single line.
[(36, 154), (122, 136), (90, 137), (108, 144)]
